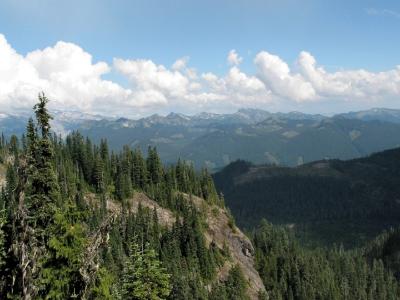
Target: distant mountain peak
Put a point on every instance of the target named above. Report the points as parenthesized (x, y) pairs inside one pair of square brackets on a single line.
[(206, 115), (374, 114), (174, 115)]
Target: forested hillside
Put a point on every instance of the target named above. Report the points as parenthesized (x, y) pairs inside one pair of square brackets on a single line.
[(290, 271), (79, 222), (329, 201)]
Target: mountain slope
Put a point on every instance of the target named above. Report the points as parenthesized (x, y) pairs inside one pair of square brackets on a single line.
[(329, 201), (2, 175)]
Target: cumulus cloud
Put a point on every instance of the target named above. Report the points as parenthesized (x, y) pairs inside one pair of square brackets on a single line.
[(182, 87), (352, 84), (17, 77), (276, 74), (64, 71), (74, 81), (146, 75), (233, 58)]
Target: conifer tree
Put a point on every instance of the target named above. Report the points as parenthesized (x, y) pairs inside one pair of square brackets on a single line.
[(154, 166), (61, 277), (2, 238), (144, 278), (36, 211), (236, 284)]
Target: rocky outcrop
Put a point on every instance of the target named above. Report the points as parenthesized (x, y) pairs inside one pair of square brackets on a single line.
[(165, 216), (222, 231), (2, 175)]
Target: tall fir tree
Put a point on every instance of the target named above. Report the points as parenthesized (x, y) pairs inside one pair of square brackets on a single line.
[(144, 278)]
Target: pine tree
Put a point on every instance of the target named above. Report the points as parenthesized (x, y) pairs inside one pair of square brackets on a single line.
[(236, 285), (42, 194), (98, 173), (144, 277), (154, 166), (2, 238), (61, 277), (35, 216), (14, 146), (103, 289)]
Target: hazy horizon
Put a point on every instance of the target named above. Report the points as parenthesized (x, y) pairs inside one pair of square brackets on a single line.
[(27, 113)]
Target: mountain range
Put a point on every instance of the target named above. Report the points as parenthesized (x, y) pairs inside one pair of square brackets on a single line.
[(255, 135)]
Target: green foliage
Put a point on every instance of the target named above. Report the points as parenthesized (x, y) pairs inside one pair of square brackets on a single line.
[(42, 115), (236, 284), (42, 190), (292, 272), (233, 288), (103, 289), (143, 276), (2, 239), (386, 247), (61, 277)]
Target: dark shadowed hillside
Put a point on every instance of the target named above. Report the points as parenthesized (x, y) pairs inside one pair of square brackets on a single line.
[(325, 201)]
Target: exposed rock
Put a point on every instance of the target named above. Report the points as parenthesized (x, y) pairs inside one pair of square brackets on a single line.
[(2, 176), (222, 232), (219, 231), (165, 216)]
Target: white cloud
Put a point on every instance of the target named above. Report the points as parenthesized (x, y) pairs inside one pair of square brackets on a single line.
[(146, 75), (181, 87), (180, 63), (65, 72), (233, 58), (73, 81), (276, 74), (17, 78), (349, 85), (238, 81)]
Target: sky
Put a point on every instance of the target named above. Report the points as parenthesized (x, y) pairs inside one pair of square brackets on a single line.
[(135, 58)]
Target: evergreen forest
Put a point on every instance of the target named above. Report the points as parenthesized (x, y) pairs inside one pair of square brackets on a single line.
[(79, 221)]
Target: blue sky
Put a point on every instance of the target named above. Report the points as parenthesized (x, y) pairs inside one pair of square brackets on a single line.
[(340, 35)]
